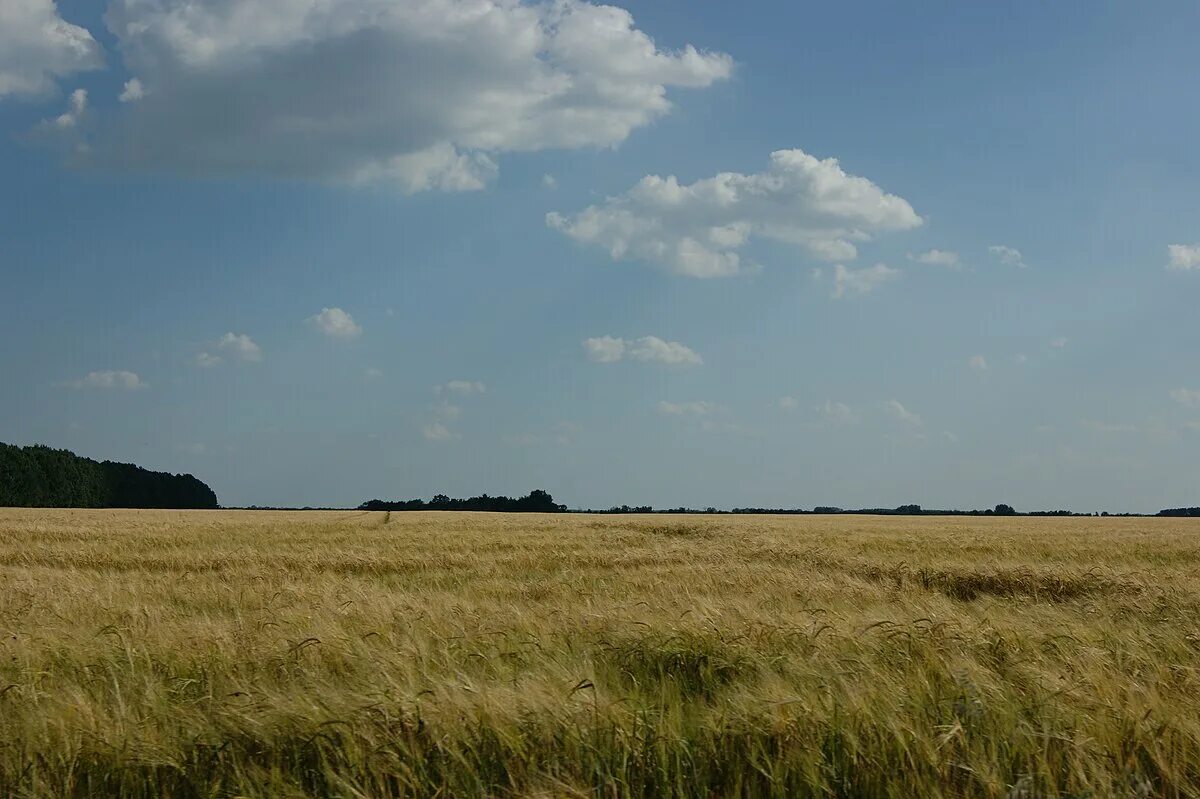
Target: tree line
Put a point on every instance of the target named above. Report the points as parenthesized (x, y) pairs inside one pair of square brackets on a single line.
[(536, 501), (1180, 512), (42, 477)]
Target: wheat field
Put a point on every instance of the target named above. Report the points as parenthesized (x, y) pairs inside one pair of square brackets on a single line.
[(353, 654)]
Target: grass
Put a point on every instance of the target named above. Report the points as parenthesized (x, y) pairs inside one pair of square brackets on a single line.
[(349, 654)]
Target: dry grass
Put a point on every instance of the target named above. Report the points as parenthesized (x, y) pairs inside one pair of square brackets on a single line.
[(364, 655)]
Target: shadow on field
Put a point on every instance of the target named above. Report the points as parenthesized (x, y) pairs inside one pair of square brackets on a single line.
[(663, 530), (693, 665), (971, 584)]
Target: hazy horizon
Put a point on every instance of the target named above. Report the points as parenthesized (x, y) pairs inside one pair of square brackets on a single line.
[(658, 253)]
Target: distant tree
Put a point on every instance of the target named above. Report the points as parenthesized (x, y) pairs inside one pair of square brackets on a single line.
[(1005, 510)]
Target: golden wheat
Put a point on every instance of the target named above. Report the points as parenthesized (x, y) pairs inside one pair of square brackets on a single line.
[(224, 653)]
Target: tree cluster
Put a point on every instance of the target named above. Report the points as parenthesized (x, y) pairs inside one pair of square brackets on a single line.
[(1180, 512), (537, 501), (41, 477)]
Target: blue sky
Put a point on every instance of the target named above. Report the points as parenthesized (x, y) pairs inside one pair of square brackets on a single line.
[(330, 250)]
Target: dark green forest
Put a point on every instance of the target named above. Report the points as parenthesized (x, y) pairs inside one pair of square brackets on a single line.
[(41, 477)]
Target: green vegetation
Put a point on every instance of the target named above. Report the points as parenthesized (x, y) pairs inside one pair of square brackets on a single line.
[(41, 477), (358, 654), (536, 501)]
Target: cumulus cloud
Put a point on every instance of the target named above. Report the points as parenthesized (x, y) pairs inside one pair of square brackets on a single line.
[(697, 229), (788, 403), (77, 103), (110, 379), (206, 360), (132, 91), (694, 408), (335, 323), (549, 181), (838, 413), (460, 387), (902, 414), (605, 349), (1058, 343), (421, 94), (1183, 257), (1188, 397), (946, 258), (372, 373), (445, 411), (1009, 256), (436, 431), (648, 349), (37, 46), (241, 347), (861, 281), (977, 363)]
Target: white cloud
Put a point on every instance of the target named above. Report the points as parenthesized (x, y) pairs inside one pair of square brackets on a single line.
[(838, 413), (1183, 257), (946, 258), (336, 323), (436, 431), (978, 363), (110, 379), (788, 403), (242, 347), (37, 46), (1189, 397), (207, 360), (648, 349), (861, 281), (549, 181), (132, 91), (69, 120), (371, 373), (461, 387), (695, 408), (605, 349), (445, 411), (899, 412), (422, 93), (654, 350), (438, 167), (1008, 256), (697, 229), (1058, 343), (1021, 358)]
